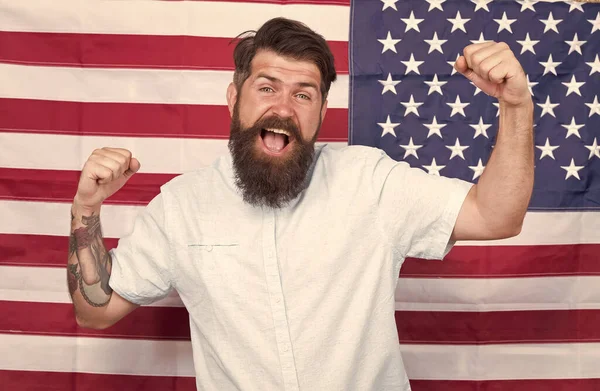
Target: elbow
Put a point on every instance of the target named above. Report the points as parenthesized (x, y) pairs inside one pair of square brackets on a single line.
[(515, 230), (95, 324), (508, 230)]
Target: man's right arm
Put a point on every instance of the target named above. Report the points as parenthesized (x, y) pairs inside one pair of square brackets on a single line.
[(89, 264)]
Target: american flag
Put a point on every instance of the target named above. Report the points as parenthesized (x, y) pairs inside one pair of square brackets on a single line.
[(151, 76), (527, 308)]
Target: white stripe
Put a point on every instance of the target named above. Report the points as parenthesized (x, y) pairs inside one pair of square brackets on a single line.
[(195, 18), (498, 294), (23, 217), (96, 355), (130, 85), (50, 218), (174, 358), (48, 285), (65, 152), (552, 228), (500, 362)]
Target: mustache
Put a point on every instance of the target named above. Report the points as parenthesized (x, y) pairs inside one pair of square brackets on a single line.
[(274, 122)]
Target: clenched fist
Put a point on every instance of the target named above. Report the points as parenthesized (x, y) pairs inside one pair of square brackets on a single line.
[(103, 174), (493, 68)]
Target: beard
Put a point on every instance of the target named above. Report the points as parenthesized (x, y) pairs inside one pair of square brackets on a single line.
[(266, 180)]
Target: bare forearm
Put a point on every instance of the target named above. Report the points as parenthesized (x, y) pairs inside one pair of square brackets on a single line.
[(505, 187), (89, 264)]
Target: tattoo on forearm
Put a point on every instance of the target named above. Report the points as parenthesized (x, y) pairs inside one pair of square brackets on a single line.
[(91, 273), (72, 278)]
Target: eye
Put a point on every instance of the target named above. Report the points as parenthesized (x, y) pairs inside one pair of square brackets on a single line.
[(266, 89), (303, 96)]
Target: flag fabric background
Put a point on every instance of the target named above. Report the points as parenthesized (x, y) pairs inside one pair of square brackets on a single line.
[(516, 314)]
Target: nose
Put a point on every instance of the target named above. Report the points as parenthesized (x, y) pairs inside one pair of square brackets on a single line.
[(283, 106)]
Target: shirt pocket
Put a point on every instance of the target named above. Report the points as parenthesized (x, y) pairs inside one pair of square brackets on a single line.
[(208, 271)]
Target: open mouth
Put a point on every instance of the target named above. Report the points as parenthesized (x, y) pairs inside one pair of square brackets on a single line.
[(275, 141)]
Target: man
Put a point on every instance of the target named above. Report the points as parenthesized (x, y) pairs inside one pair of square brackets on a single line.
[(285, 255)]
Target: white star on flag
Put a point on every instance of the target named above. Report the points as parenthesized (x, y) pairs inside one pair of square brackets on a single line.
[(594, 149), (550, 66), (594, 65), (434, 128), (458, 107), (477, 170), (595, 23), (551, 23), (412, 65), (458, 22), (435, 4), (547, 149), (594, 106), (388, 127), (451, 63), (548, 107), (389, 84), (411, 106), (573, 86), (411, 149), (527, 45), (389, 43), (435, 43), (435, 85), (572, 170), (477, 90), (575, 5), (412, 22), (480, 128), (573, 128), (504, 23), (433, 169), (575, 45), (480, 40), (481, 4), (527, 5), (457, 150), (497, 108), (389, 4), (531, 84)]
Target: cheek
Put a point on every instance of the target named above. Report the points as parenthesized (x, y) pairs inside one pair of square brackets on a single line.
[(310, 126)]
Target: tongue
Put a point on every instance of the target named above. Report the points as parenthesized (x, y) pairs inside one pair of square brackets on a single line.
[(274, 141)]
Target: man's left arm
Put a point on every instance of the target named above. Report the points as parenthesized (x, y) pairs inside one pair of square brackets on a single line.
[(495, 207)]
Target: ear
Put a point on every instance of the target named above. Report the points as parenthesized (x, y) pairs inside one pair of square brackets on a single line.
[(231, 97)]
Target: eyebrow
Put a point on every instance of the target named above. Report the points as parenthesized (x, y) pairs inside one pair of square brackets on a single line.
[(278, 81)]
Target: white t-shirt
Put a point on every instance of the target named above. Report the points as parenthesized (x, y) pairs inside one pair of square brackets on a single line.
[(298, 298)]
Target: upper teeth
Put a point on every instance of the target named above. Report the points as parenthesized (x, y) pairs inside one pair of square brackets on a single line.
[(280, 131)]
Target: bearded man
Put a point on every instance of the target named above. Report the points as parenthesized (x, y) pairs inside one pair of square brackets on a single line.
[(286, 254)]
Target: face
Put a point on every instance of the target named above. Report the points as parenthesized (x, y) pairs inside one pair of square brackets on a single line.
[(275, 122)]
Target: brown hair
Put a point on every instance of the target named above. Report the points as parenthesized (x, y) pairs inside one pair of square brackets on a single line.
[(287, 38)]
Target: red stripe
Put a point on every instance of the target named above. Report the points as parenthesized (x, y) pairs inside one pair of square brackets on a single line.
[(507, 385), (61, 186), (414, 327), (547, 326), (509, 261), (38, 250), (130, 51), (61, 381), (136, 119), (59, 319), (580, 259)]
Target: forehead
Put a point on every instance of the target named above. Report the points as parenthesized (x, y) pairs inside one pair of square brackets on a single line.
[(286, 69)]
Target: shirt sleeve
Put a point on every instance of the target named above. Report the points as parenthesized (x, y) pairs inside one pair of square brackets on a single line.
[(418, 210), (141, 261)]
